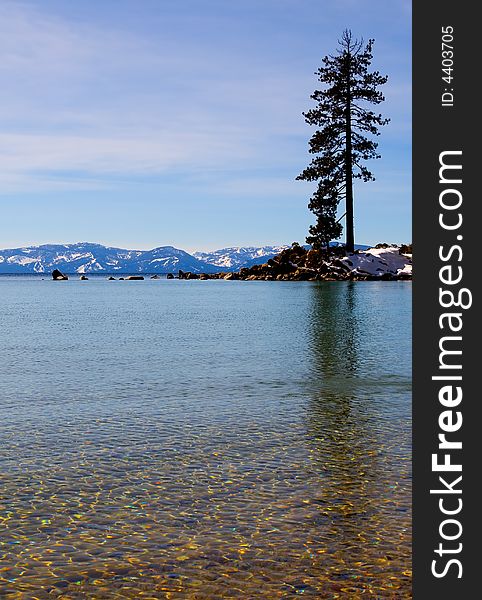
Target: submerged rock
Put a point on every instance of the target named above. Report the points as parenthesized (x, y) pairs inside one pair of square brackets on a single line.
[(58, 276), (135, 278), (155, 277), (111, 278)]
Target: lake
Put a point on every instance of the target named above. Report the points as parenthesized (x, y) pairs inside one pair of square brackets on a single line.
[(205, 439)]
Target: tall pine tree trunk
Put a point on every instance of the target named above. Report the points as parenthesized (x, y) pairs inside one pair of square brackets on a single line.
[(350, 235)]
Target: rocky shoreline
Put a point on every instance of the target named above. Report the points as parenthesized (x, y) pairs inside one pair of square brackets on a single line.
[(384, 262)]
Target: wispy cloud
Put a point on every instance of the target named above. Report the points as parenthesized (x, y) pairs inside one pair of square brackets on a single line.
[(81, 99)]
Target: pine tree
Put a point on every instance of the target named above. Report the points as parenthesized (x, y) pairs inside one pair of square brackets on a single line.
[(341, 143)]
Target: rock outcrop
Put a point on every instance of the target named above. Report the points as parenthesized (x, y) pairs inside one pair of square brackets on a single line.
[(58, 276), (384, 262)]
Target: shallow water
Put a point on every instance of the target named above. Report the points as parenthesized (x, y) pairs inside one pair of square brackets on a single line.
[(205, 439)]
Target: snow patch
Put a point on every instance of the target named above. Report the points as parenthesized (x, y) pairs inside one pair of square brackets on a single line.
[(21, 260), (377, 261)]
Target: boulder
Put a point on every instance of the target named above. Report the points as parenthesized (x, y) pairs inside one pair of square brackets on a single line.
[(135, 278), (285, 268), (155, 277), (58, 276), (83, 278), (187, 275), (120, 278), (203, 276), (170, 276), (230, 276), (111, 278), (302, 275)]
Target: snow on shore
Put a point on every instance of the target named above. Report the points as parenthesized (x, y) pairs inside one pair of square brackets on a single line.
[(378, 261)]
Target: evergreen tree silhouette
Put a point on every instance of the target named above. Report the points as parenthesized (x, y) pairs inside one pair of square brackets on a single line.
[(342, 142)]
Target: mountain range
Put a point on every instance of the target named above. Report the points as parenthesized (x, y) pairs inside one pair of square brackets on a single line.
[(87, 257)]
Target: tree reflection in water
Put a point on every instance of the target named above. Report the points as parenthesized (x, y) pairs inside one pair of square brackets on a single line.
[(362, 451)]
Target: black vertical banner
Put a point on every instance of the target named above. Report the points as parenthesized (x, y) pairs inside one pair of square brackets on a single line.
[(447, 440)]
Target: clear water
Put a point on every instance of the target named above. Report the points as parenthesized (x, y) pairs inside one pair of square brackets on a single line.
[(205, 439)]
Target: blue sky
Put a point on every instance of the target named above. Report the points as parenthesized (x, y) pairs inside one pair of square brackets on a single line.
[(141, 123)]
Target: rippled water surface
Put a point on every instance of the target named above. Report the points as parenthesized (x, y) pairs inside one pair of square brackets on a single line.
[(204, 439)]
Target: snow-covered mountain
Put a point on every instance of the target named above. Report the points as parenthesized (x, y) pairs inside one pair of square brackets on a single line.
[(232, 259), (91, 258)]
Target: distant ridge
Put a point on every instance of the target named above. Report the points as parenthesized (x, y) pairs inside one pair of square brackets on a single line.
[(86, 257), (233, 259)]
